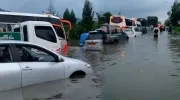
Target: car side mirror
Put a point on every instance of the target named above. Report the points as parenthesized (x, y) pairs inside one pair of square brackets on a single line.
[(60, 59)]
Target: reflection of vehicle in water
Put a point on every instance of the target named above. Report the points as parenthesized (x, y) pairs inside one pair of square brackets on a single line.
[(132, 31), (112, 34), (93, 41), (121, 21)]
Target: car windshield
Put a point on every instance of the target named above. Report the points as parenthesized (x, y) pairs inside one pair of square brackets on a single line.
[(94, 36)]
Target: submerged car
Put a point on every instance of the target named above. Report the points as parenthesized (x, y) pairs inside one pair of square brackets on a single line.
[(132, 31), (113, 34), (94, 41), (32, 72)]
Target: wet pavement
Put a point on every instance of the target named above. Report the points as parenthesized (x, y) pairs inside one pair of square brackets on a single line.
[(142, 68)]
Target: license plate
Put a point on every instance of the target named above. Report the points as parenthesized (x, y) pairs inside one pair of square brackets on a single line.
[(91, 45)]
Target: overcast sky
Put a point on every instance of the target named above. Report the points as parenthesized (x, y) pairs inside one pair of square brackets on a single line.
[(128, 8)]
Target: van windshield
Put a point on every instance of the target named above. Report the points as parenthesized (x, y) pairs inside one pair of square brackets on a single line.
[(94, 36)]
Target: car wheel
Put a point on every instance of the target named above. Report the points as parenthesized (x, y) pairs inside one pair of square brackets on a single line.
[(135, 36), (115, 41), (77, 74)]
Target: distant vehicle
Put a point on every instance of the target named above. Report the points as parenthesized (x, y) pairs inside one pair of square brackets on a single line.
[(132, 31), (152, 21), (94, 41), (39, 32), (139, 25), (26, 74), (113, 34), (83, 38), (121, 21)]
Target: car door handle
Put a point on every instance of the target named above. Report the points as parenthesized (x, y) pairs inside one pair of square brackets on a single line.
[(27, 68)]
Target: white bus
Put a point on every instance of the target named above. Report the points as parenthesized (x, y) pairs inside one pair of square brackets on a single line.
[(15, 17), (121, 21)]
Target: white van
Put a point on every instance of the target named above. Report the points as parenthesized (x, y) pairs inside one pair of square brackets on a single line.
[(38, 32)]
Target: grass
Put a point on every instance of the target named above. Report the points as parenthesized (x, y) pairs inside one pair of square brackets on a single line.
[(176, 29)]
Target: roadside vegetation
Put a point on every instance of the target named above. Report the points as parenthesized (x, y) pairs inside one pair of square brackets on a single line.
[(87, 21), (174, 17)]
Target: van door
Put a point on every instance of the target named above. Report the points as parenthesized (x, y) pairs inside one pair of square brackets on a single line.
[(42, 76), (46, 36), (10, 76)]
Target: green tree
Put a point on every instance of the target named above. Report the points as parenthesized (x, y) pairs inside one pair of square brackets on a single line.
[(107, 16), (174, 13), (72, 17), (66, 14), (167, 22), (87, 16)]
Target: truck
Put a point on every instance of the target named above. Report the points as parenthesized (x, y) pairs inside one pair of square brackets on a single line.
[(38, 32)]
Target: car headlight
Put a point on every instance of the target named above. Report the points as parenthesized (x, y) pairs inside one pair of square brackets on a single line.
[(88, 65)]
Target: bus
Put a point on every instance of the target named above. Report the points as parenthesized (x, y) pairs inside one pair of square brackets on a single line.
[(152, 21), (15, 17), (121, 21)]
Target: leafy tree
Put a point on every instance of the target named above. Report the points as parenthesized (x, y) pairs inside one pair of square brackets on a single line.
[(66, 14), (107, 16), (87, 16), (72, 17), (174, 13), (167, 22)]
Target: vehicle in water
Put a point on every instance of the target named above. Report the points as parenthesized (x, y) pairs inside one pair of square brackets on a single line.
[(152, 21), (15, 17), (112, 34), (40, 32), (132, 31), (29, 75), (142, 28), (82, 39), (94, 41), (156, 31)]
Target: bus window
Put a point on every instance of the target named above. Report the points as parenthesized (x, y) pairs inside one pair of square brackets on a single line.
[(17, 29), (60, 32), (116, 20)]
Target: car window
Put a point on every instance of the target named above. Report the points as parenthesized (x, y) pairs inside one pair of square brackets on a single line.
[(5, 54), (46, 33), (33, 54)]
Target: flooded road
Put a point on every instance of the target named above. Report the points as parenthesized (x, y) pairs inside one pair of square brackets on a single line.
[(142, 68)]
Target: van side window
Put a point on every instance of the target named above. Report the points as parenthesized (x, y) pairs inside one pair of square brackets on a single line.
[(25, 33), (59, 32), (45, 33)]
